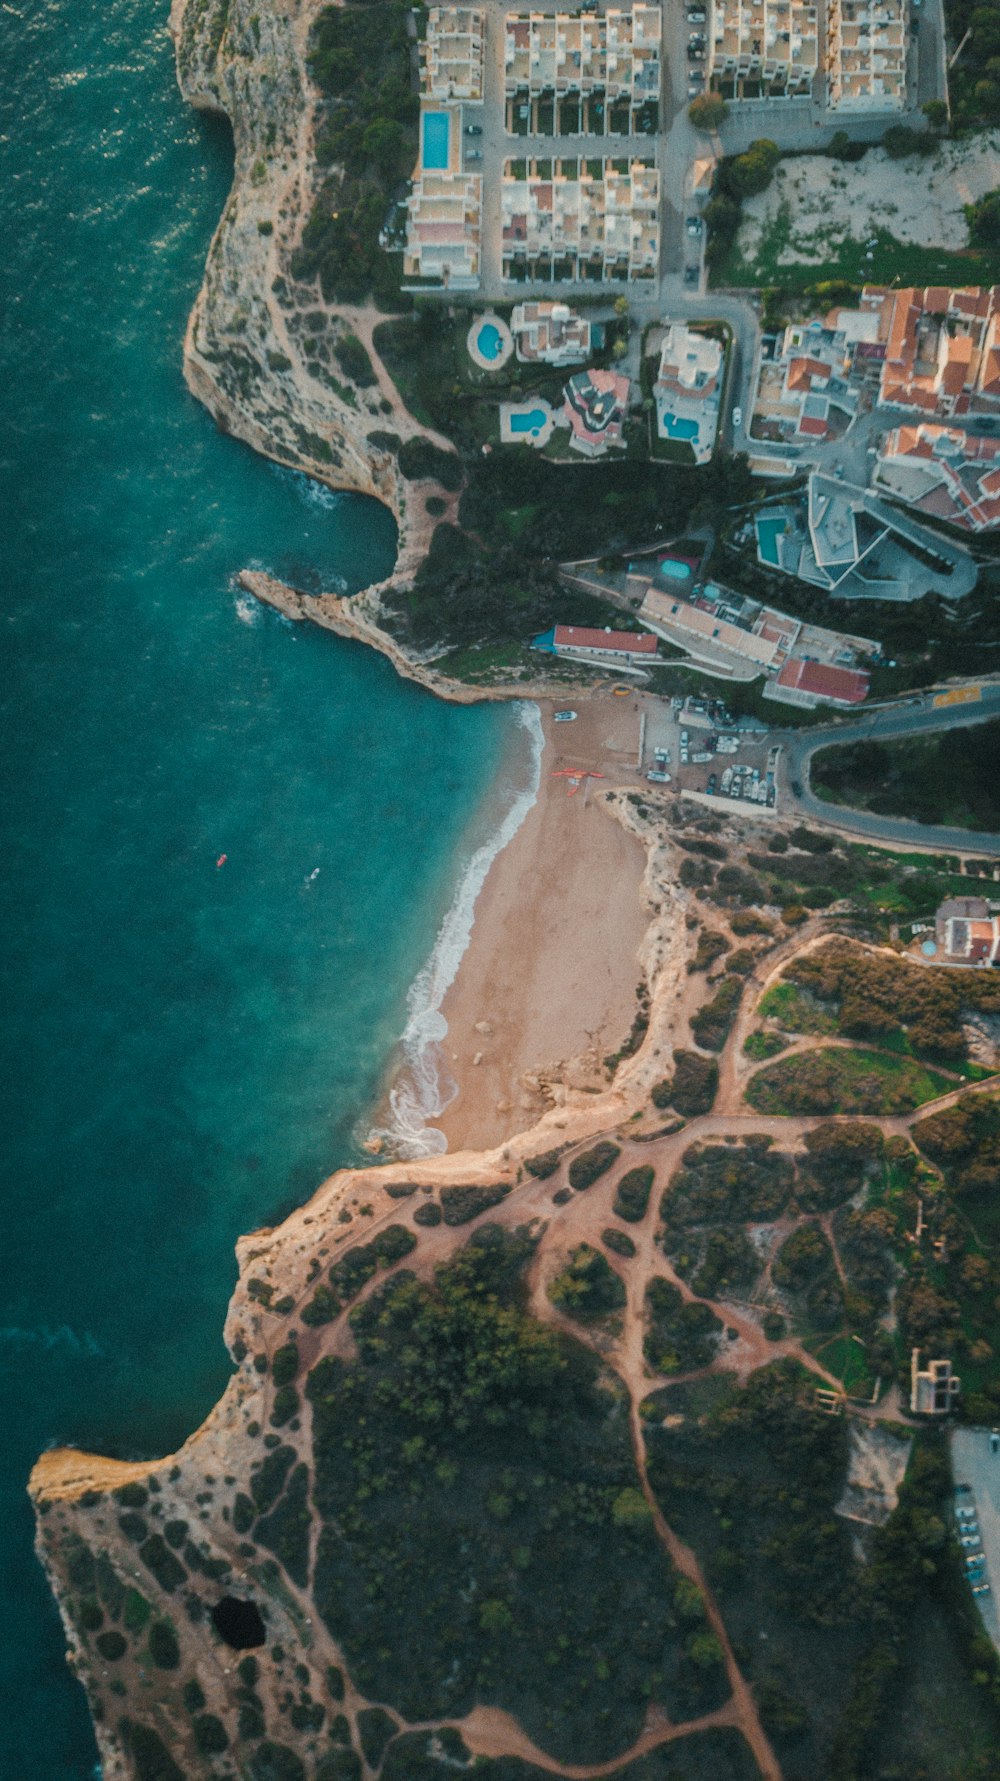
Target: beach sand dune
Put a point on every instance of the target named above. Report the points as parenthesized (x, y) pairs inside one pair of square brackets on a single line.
[(552, 967)]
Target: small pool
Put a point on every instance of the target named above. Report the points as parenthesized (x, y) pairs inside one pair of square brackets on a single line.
[(489, 341), (436, 134), (673, 428), (673, 570), (769, 529), (532, 422), (928, 948)]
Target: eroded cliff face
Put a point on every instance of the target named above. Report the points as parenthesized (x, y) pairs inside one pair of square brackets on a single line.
[(259, 346)]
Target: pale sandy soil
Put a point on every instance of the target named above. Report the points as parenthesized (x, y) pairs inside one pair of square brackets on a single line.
[(918, 199), (552, 966)]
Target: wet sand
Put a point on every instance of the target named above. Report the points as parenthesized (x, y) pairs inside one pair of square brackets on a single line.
[(552, 968)]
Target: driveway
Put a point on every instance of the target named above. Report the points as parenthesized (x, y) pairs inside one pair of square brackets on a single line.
[(974, 1464)]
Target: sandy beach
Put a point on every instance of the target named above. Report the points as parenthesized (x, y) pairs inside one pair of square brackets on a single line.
[(552, 968)]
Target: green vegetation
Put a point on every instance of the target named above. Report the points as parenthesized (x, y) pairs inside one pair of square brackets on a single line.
[(165, 1566), (543, 1165), (163, 1647), (619, 1242), (681, 1333), (707, 111), (367, 136), (419, 460), (588, 1288), (844, 1081), (353, 1271), (587, 1168), (498, 582), (285, 1530), (944, 778), (711, 1024), (467, 1441), (711, 946), (760, 1045), (352, 357), (632, 1193), (726, 1184), (460, 1204), (692, 1088), (973, 86), (904, 1006)]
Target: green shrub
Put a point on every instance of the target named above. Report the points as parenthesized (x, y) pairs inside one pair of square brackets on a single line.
[(275, 1762), (711, 1024), (352, 357), (428, 1214), (111, 1645), (339, 1765), (323, 1307), (210, 1735), (692, 1088), (681, 1334), (459, 1204), (165, 1566), (375, 1728), (132, 1495), (193, 1696), (285, 1406), (285, 1364), (618, 1241), (591, 1164), (243, 1513), (421, 461), (285, 1530), (163, 1647), (151, 1759), (334, 1682), (393, 1243), (774, 1325), (588, 1286), (803, 1256), (89, 1614), (268, 1479), (175, 1532), (544, 1164), (134, 1527), (632, 1193)]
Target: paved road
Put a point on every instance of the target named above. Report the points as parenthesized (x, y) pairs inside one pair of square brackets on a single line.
[(911, 719), (974, 1464)]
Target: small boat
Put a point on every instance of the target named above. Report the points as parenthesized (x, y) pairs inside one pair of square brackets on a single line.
[(223, 857)]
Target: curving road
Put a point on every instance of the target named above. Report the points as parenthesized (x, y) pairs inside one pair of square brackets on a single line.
[(916, 717)]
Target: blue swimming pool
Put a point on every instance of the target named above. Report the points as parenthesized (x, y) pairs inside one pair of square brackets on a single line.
[(532, 422), (489, 341), (678, 429), (676, 571), (770, 526), (436, 133)]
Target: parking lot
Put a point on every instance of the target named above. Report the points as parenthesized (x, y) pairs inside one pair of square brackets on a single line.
[(709, 754), (977, 1466)]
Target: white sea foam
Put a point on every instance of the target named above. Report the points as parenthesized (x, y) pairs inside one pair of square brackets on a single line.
[(248, 610), (18, 1337), (424, 1086)]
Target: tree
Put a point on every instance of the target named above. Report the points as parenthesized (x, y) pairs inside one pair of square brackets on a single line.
[(984, 221), (936, 113), (707, 111), (753, 171)]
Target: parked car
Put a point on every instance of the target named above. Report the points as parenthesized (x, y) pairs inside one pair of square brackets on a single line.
[(656, 777), (695, 52), (710, 787), (473, 129), (971, 1541), (694, 225), (965, 1514), (474, 154), (564, 717), (697, 15), (737, 417), (692, 274)]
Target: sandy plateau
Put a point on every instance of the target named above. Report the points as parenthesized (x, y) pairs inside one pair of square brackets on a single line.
[(918, 200)]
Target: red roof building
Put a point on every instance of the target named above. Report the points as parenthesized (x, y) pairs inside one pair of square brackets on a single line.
[(573, 639), (821, 680)]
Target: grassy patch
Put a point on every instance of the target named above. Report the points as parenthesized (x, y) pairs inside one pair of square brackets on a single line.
[(946, 779), (842, 1080)]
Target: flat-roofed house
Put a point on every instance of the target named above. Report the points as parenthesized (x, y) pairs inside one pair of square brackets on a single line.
[(934, 1388), (688, 389), (550, 334)]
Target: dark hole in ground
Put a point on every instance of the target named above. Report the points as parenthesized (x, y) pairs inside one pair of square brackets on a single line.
[(239, 1623)]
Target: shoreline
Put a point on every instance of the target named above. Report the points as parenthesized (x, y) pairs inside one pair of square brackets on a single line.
[(546, 984), (420, 1086)]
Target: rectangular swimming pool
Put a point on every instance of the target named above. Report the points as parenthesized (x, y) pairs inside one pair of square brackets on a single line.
[(769, 529), (436, 133)]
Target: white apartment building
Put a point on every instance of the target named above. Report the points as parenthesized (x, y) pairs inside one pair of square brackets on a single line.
[(451, 56)]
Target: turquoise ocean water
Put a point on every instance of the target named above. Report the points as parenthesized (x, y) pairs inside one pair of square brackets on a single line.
[(186, 1051)]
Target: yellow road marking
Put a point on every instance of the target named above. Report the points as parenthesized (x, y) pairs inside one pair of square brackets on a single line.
[(960, 695)]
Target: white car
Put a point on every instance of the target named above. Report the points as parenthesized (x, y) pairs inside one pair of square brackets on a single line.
[(737, 417)]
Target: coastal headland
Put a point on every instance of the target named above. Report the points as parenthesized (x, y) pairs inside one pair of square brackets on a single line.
[(536, 1451)]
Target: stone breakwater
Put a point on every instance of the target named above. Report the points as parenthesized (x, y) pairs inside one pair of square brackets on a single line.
[(258, 351)]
